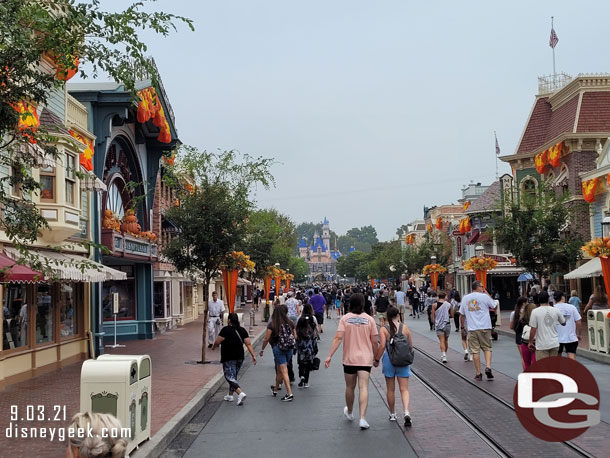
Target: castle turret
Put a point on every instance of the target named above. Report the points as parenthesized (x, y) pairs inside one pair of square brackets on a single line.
[(326, 234)]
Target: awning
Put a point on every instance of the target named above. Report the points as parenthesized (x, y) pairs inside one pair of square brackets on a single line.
[(591, 268), (473, 238), (243, 282), (10, 271), (168, 225), (525, 276), (72, 267), (485, 237), (39, 156), (91, 182)]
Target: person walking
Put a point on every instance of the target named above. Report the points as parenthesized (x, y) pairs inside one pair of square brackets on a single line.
[(306, 344), (575, 300), (474, 313), (428, 304), (281, 336), (519, 318), (415, 302), (597, 301), (216, 308), (318, 303), (569, 335), (400, 299), (381, 307), (392, 373), (544, 338), (292, 305), (455, 305), (442, 312), (358, 332), (231, 340)]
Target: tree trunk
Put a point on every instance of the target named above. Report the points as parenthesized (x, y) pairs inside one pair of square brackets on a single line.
[(206, 289)]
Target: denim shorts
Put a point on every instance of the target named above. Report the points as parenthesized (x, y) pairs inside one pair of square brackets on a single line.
[(281, 356), (392, 371)]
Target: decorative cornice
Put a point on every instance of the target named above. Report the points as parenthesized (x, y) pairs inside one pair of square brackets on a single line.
[(582, 83)]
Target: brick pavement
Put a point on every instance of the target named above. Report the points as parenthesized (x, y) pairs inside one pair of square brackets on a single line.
[(174, 384)]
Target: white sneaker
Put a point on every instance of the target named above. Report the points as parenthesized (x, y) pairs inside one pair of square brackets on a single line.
[(444, 359), (349, 416), (240, 398), (392, 417), (363, 424), (229, 398)]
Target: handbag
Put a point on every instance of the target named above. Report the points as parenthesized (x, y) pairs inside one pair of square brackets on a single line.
[(525, 335), (315, 364)]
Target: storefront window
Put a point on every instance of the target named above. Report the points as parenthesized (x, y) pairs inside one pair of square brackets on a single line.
[(15, 316), (68, 324), (70, 178), (158, 299), (168, 298), (44, 314), (127, 299)]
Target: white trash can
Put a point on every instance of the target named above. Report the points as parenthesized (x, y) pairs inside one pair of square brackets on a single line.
[(111, 387), (602, 330), (143, 411), (592, 330)]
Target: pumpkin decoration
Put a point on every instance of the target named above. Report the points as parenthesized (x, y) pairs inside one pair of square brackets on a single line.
[(110, 221), (130, 223)]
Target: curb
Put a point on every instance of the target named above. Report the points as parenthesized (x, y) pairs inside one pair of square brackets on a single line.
[(155, 446), (588, 354)]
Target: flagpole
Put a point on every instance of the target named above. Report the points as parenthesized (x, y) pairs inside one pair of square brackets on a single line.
[(554, 72), (496, 137)]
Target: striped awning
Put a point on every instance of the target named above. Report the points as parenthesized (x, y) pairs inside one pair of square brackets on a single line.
[(591, 268), (90, 182), (71, 267)]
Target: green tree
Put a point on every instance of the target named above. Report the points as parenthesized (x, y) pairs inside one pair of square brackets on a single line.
[(537, 232), (212, 219), (354, 265), (104, 42), (386, 260), (299, 268)]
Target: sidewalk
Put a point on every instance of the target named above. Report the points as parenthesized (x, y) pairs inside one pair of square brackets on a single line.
[(175, 382)]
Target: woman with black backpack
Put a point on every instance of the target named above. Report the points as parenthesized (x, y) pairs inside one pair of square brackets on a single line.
[(519, 319), (392, 345), (281, 336), (307, 347)]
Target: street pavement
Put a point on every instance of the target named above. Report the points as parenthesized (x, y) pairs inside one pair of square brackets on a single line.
[(506, 359), (312, 425)]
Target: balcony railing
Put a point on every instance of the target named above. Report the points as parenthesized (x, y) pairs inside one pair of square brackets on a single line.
[(551, 83), (76, 112)]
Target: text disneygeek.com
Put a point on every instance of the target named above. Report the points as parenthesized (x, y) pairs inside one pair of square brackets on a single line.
[(60, 433)]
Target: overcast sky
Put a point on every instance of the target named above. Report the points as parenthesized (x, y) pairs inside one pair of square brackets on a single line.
[(371, 109)]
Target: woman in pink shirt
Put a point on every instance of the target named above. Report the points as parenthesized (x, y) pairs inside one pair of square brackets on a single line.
[(358, 332)]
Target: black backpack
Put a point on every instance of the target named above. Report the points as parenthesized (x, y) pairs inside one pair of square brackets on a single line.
[(399, 351)]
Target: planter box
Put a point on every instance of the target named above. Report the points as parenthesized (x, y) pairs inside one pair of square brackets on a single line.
[(127, 246)]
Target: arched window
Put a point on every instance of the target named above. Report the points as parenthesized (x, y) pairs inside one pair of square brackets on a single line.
[(529, 188), (115, 198)]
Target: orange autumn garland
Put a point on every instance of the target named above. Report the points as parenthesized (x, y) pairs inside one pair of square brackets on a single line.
[(588, 189), (439, 223), (466, 205), (480, 263), (555, 154), (432, 268), (464, 225), (85, 158), (597, 247), (541, 160), (410, 239), (149, 107), (29, 121)]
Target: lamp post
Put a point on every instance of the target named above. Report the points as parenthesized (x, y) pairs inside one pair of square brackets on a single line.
[(433, 259), (606, 226)]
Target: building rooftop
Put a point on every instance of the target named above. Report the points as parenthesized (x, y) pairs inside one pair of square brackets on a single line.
[(488, 201)]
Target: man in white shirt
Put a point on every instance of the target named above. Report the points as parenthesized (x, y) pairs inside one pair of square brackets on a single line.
[(474, 312), (543, 321), (399, 297), (569, 335), (215, 310)]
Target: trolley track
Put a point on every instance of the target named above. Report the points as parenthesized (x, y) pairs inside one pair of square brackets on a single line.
[(425, 375)]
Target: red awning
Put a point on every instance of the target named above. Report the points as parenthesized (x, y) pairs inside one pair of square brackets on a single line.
[(11, 271), (485, 237), (473, 238)]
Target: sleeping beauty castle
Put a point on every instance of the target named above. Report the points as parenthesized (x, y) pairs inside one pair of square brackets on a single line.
[(322, 261)]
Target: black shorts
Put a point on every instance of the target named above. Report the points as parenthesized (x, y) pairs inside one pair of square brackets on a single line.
[(568, 347), (319, 317), (354, 369)]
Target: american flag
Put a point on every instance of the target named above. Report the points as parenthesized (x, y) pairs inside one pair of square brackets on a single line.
[(554, 39), (497, 146)]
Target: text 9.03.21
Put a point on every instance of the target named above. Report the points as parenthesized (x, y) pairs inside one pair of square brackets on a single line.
[(38, 413)]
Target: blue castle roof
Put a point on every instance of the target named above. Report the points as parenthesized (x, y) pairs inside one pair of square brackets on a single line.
[(318, 243), (303, 243), (335, 254), (325, 221)]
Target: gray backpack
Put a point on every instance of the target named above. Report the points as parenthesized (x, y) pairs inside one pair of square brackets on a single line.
[(399, 351)]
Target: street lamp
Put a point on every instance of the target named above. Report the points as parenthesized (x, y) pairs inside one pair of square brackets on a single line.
[(433, 259), (479, 251), (606, 226)]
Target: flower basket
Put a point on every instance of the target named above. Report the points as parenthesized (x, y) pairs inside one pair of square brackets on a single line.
[(433, 270), (480, 266)]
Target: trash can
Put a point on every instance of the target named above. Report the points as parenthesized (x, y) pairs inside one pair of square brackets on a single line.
[(607, 329), (143, 411), (602, 332), (111, 387), (592, 330)]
